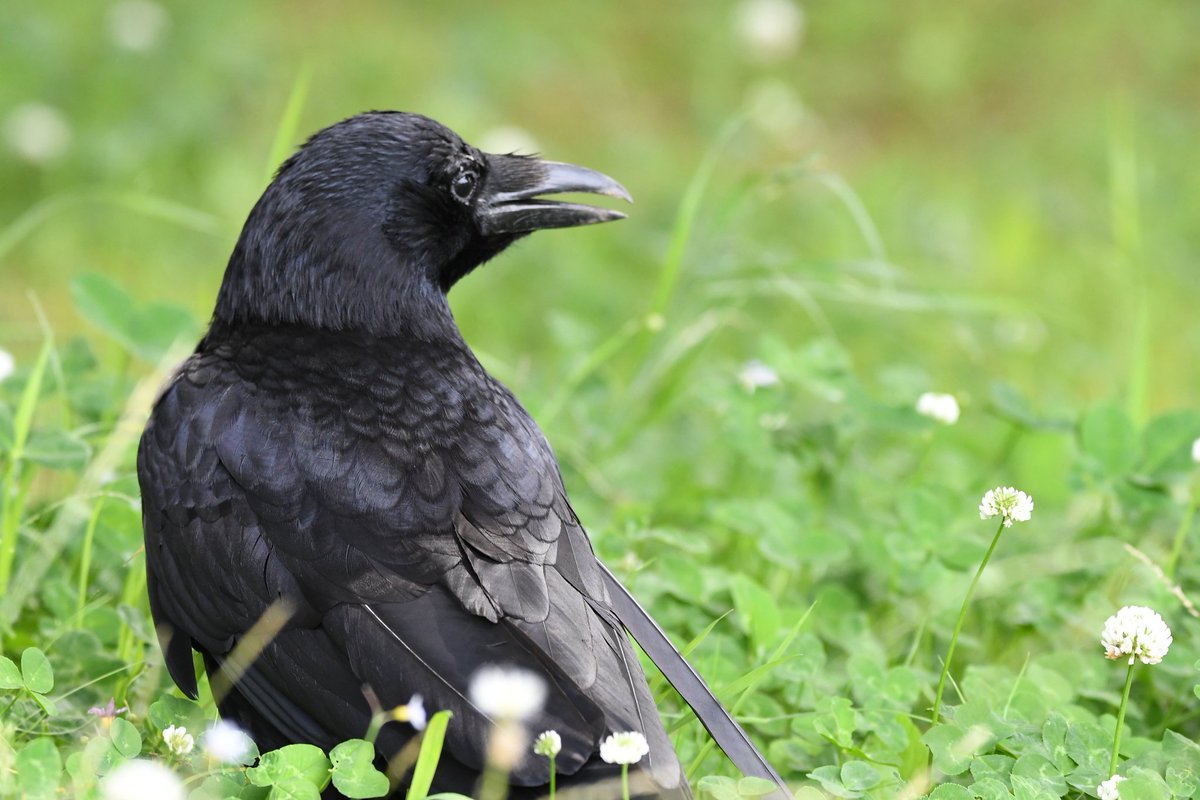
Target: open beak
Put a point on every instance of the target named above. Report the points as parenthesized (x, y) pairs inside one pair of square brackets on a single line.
[(511, 202)]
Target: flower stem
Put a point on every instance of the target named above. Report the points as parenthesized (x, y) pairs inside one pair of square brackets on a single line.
[(962, 615), (377, 720), (625, 781), (553, 775), (1112, 766)]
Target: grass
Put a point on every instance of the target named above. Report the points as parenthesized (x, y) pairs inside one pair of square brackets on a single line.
[(938, 215)]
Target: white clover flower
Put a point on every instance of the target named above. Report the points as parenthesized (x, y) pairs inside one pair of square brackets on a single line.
[(757, 375), (941, 408), (548, 744), (624, 748), (7, 364), (1006, 502), (769, 29), (136, 25), (1108, 790), (1195, 444), (412, 712), (1137, 632), (142, 779), (178, 740), (507, 692), (37, 133), (226, 742)]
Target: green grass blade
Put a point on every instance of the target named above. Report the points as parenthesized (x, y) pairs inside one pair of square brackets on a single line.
[(85, 558), (1125, 215), (23, 419), (849, 198), (748, 683), (11, 503), (148, 205), (597, 358), (656, 685), (685, 218), (427, 760), (289, 123), (164, 210), (75, 509), (681, 234)]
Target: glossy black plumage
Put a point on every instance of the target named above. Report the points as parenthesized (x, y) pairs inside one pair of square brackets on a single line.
[(334, 444)]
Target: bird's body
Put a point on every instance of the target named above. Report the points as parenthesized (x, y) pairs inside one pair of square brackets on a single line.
[(333, 448), (398, 499)]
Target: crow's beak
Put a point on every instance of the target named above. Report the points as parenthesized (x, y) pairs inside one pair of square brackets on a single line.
[(511, 202)]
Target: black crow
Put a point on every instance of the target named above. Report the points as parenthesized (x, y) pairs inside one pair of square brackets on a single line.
[(334, 450)]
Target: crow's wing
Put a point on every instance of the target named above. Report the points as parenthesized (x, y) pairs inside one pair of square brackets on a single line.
[(417, 525)]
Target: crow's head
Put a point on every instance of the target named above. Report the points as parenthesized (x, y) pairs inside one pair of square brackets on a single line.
[(370, 223)]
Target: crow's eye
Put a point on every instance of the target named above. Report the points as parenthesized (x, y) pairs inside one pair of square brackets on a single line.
[(462, 186)]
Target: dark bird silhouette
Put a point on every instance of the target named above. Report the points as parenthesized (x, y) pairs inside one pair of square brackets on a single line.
[(334, 450)]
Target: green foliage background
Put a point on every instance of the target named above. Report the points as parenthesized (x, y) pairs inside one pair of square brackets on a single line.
[(988, 199)]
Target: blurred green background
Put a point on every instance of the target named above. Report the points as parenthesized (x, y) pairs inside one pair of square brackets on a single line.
[(874, 199), (989, 191)]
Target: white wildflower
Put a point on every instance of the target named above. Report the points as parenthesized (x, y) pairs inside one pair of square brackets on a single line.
[(7, 364), (769, 30), (1108, 790), (1137, 632), (136, 25), (941, 408), (37, 133), (624, 748), (1006, 502), (142, 779), (1195, 449), (412, 712), (226, 742), (756, 375), (178, 740), (507, 139), (548, 744), (507, 692)]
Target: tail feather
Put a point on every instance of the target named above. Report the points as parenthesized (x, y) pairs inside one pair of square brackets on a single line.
[(724, 729)]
